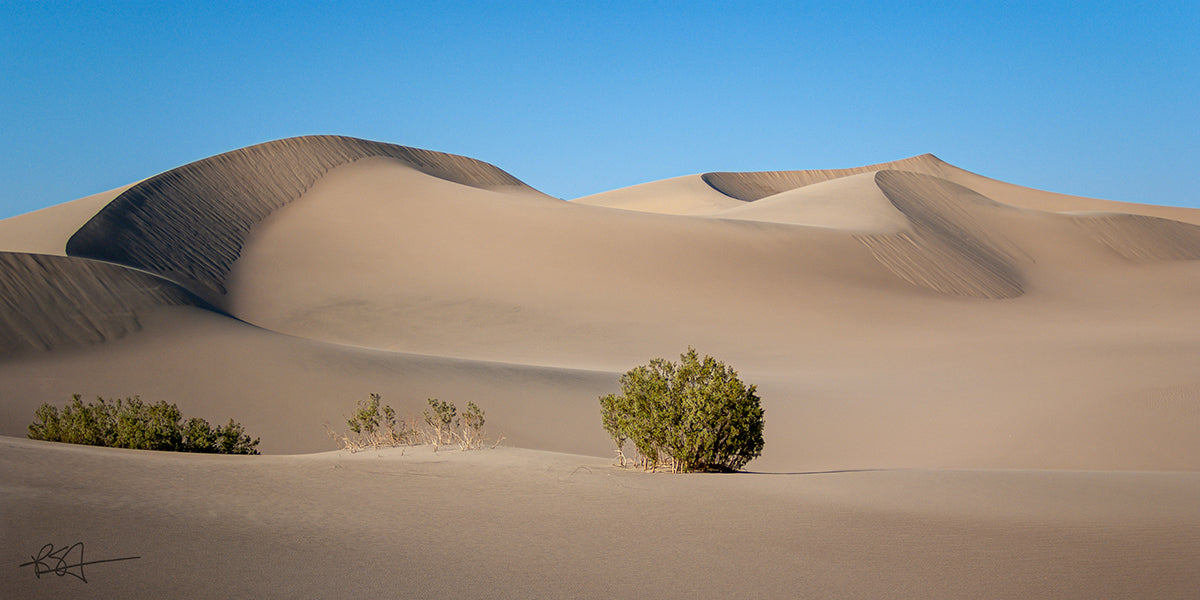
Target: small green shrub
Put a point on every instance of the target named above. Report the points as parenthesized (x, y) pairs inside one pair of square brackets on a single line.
[(692, 416), (375, 425), (442, 421), (131, 423), (472, 431)]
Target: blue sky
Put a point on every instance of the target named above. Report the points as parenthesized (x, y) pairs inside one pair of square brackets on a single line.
[(575, 98)]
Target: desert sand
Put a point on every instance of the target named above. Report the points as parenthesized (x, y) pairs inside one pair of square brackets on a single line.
[(972, 388)]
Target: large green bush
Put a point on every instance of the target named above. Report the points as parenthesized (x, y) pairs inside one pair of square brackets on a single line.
[(695, 415), (131, 423)]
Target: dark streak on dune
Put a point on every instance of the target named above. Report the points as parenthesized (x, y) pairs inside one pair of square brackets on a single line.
[(751, 186), (948, 249), (1143, 238), (56, 301), (188, 225)]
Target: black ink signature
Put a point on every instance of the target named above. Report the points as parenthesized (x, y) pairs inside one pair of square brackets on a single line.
[(49, 560)]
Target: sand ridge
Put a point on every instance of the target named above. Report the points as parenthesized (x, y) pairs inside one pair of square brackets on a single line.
[(51, 301), (188, 224), (949, 248), (1142, 237), (751, 186)]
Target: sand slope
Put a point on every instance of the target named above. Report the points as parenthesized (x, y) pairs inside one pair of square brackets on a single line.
[(188, 224), (55, 301)]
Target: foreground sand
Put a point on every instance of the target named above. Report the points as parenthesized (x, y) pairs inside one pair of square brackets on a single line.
[(510, 523), (972, 389)]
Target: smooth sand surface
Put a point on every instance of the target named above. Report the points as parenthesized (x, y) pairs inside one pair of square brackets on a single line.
[(46, 231), (509, 523), (899, 319)]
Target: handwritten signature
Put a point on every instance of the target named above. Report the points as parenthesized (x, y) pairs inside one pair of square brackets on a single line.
[(49, 560)]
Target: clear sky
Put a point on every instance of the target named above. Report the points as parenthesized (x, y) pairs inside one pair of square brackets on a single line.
[(1089, 98)]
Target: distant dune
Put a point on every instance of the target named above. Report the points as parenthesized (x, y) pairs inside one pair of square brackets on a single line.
[(972, 388)]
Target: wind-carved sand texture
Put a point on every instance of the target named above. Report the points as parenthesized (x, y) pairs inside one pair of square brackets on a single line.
[(49, 302), (1144, 238), (948, 249), (936, 238), (188, 225)]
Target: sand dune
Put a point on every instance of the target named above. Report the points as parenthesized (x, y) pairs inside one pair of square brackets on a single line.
[(949, 248), (758, 185), (53, 302), (853, 203), (1142, 238), (188, 224), (688, 195), (908, 315), (934, 289), (46, 231)]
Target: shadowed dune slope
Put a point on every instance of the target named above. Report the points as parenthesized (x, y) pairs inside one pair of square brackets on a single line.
[(1144, 238), (949, 248), (853, 203), (52, 302), (46, 231), (188, 224), (756, 185)]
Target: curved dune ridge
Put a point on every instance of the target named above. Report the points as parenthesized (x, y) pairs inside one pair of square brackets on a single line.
[(755, 185), (949, 248), (188, 225), (853, 203), (1142, 237), (56, 301)]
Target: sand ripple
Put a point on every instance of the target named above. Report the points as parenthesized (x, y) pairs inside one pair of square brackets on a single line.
[(56, 301), (188, 225), (949, 248)]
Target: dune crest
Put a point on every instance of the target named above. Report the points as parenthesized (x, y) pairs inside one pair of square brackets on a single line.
[(56, 301), (949, 248), (188, 224), (755, 185), (687, 195), (853, 203)]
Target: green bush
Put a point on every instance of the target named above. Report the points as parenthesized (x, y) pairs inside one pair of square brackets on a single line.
[(131, 423), (442, 421), (472, 431), (375, 425), (695, 415)]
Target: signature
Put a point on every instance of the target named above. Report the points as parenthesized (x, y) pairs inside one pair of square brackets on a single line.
[(59, 562)]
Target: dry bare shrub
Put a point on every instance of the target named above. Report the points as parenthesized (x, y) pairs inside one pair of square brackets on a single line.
[(375, 426)]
